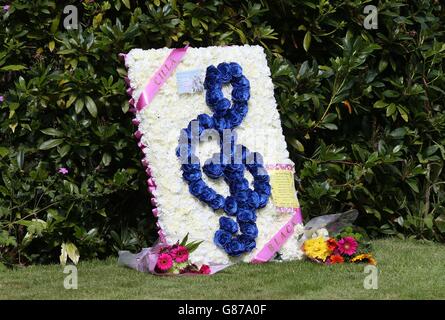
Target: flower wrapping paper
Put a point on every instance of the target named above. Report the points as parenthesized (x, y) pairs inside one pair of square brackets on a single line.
[(159, 126)]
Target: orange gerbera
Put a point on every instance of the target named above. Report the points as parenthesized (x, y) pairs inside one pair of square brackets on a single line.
[(336, 258), (365, 257), (332, 244)]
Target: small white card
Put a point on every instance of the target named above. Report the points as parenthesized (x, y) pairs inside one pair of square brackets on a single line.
[(190, 81)]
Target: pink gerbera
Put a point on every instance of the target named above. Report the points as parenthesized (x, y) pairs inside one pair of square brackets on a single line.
[(347, 245), (165, 262), (180, 254)]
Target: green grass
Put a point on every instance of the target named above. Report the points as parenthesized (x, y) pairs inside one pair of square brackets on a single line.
[(407, 270)]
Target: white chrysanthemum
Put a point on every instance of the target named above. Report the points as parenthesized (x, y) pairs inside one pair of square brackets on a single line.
[(160, 122), (291, 250)]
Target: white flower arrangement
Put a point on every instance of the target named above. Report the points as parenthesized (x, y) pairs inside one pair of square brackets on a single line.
[(159, 126)]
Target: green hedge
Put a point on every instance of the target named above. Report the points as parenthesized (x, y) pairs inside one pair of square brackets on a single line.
[(362, 110)]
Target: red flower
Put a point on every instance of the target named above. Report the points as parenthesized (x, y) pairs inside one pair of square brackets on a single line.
[(180, 254), (205, 269), (336, 258), (332, 244)]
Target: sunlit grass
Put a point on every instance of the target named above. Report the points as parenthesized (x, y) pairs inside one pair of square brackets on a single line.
[(407, 270)]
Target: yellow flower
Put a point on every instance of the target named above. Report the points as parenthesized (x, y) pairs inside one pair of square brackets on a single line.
[(316, 248), (365, 257)]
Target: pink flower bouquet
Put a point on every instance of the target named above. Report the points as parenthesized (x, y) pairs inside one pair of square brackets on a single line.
[(164, 259)]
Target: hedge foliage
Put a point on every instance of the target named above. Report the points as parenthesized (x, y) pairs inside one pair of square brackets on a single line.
[(362, 110)]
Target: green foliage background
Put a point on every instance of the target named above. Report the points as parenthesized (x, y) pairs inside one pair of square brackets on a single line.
[(362, 110)]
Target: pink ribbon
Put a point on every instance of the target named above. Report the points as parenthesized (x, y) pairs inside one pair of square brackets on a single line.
[(160, 76), (277, 241)]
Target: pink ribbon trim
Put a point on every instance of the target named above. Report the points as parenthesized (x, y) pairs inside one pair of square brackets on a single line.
[(160, 76), (280, 238)]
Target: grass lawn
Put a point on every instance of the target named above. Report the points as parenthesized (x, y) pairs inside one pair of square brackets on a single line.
[(407, 270)]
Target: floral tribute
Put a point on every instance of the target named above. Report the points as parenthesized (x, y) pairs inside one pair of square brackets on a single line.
[(174, 259), (235, 237), (345, 247), (209, 200)]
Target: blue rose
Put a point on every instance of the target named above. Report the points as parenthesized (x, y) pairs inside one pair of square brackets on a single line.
[(243, 205), (248, 242), (220, 123), (245, 215), (213, 80), (262, 187), (230, 206), (213, 95), (197, 187), (222, 238), (230, 176), (241, 197), (261, 175), (238, 185), (264, 198), (212, 70), (218, 202), (241, 107), (235, 69), (254, 199), (234, 117), (224, 69), (228, 225), (240, 82), (240, 94), (249, 229), (235, 248), (262, 178), (192, 175), (205, 121), (207, 195), (252, 167), (213, 170), (228, 123), (221, 107)]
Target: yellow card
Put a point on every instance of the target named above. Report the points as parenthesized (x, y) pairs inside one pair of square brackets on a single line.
[(283, 188)]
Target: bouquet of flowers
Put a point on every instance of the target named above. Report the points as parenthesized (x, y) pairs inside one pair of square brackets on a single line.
[(345, 247), (174, 259)]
